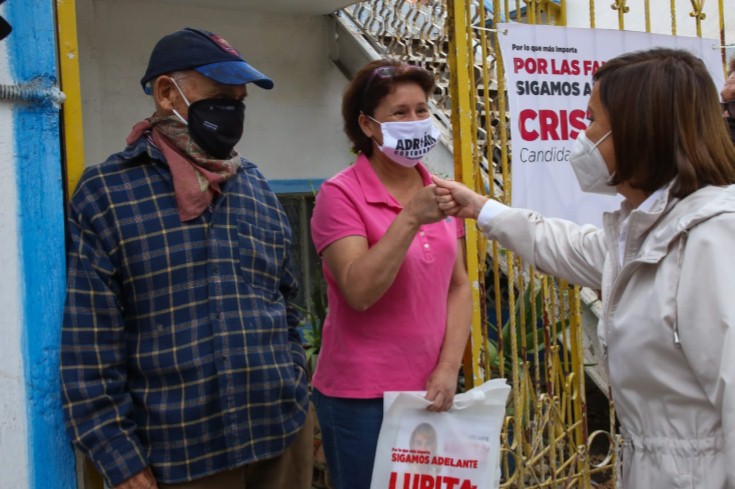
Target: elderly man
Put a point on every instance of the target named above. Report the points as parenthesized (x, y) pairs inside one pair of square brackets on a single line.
[(181, 365), (728, 99)]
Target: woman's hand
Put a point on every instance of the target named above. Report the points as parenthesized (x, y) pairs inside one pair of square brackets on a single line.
[(423, 207), (364, 273), (441, 387), (454, 199)]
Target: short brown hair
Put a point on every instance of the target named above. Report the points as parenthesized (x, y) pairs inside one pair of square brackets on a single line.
[(367, 89), (666, 122)]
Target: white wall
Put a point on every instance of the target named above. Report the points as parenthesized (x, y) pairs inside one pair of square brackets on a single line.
[(291, 132), (13, 419)]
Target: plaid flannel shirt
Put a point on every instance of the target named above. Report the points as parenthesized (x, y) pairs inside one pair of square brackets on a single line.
[(179, 347)]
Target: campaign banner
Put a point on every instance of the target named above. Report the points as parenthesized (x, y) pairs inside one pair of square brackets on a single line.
[(549, 81), (458, 449)]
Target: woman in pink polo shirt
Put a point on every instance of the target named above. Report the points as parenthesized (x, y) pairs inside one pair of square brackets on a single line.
[(398, 291)]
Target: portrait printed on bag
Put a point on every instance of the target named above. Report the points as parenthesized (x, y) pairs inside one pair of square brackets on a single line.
[(436, 452)]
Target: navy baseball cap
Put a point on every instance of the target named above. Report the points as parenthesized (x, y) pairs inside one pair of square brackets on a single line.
[(205, 52)]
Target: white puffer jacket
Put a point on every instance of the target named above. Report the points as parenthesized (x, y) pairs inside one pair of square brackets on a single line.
[(668, 329)]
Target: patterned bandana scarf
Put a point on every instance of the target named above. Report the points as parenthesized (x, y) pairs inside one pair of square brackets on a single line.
[(196, 175)]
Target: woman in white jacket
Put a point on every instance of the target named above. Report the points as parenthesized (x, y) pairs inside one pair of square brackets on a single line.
[(665, 262)]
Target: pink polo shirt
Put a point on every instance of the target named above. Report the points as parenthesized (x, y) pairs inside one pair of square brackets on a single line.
[(394, 345)]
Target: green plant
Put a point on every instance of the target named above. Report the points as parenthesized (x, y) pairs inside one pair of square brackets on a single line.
[(528, 317), (313, 323)]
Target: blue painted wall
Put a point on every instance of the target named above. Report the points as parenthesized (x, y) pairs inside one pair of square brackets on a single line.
[(297, 186), (32, 56)]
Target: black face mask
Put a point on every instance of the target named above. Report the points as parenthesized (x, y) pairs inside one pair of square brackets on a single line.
[(731, 126), (216, 124)]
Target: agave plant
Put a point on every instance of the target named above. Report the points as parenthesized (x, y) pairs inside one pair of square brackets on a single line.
[(528, 315)]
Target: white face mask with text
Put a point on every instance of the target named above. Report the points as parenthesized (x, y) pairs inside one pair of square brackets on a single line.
[(406, 143), (589, 166)]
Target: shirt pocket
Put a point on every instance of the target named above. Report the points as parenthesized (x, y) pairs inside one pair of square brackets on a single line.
[(262, 255)]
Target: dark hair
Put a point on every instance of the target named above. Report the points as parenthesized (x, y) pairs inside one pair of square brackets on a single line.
[(666, 122), (423, 429), (366, 91)]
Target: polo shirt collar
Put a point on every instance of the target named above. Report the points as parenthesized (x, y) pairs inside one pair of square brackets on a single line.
[(373, 189)]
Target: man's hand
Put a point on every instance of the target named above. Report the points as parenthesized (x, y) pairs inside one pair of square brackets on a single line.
[(455, 199), (141, 480)]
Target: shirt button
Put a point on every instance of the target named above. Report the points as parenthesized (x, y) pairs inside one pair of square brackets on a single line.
[(215, 269), (422, 233), (220, 315), (426, 246)]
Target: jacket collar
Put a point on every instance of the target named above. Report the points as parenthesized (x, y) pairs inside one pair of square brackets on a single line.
[(650, 233)]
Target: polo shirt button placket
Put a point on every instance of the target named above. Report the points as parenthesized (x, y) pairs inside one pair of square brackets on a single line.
[(425, 246), (422, 239)]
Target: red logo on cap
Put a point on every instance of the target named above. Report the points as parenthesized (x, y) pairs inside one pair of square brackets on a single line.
[(224, 45)]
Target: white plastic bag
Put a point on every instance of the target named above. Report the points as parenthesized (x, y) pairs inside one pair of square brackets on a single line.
[(457, 449)]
